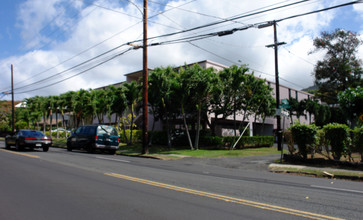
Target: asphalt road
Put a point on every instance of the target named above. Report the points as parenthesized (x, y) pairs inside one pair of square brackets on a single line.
[(77, 185)]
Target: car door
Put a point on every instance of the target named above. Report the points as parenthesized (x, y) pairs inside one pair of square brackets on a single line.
[(74, 138)]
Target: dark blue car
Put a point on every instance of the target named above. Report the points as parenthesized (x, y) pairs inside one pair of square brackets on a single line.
[(92, 137)]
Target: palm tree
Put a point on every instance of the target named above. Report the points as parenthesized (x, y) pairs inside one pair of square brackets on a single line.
[(82, 105), (68, 98), (118, 104), (133, 95), (98, 102), (44, 106)]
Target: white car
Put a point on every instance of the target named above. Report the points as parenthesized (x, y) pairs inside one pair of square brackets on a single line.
[(60, 130)]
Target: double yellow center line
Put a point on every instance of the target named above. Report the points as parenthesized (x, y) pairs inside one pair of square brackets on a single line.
[(22, 154), (225, 198)]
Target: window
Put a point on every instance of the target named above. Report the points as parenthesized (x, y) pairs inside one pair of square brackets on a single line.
[(106, 130)]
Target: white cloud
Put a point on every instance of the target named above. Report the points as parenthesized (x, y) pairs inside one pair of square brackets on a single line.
[(93, 25)]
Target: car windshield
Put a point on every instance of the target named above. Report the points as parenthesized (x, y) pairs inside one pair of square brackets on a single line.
[(106, 130), (33, 134)]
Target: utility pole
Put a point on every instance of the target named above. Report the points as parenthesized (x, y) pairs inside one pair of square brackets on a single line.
[(145, 117), (277, 84), (12, 101)]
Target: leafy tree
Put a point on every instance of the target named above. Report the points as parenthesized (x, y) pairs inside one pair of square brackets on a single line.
[(99, 104), (340, 69), (44, 106), (227, 94), (163, 87), (351, 102), (118, 104), (82, 105), (199, 85)]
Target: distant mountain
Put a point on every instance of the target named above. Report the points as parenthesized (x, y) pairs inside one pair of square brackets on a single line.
[(310, 89)]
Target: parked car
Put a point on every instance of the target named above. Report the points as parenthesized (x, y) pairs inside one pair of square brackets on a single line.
[(60, 130), (28, 139), (92, 137)]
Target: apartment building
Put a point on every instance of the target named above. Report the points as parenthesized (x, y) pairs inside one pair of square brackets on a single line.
[(226, 127)]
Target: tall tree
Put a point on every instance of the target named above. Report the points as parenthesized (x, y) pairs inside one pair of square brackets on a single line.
[(227, 95), (199, 86), (133, 96), (118, 103), (351, 102), (163, 87), (340, 69)]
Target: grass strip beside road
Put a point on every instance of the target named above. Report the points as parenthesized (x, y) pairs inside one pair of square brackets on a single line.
[(317, 172), (162, 152)]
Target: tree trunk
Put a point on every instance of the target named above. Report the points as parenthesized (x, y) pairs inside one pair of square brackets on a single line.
[(151, 134), (51, 122), (196, 142), (56, 121), (44, 121), (186, 128), (132, 123)]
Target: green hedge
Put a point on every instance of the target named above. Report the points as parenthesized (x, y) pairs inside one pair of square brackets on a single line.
[(136, 135), (160, 137), (305, 137), (248, 141), (358, 140), (338, 137)]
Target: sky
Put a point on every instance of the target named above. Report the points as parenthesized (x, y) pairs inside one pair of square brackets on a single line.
[(57, 46)]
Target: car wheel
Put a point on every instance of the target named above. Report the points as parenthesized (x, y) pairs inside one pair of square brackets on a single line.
[(69, 147), (90, 149), (18, 147), (45, 149), (112, 152), (7, 146)]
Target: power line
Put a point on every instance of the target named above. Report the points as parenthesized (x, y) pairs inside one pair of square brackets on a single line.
[(194, 38), (78, 65), (321, 10), (226, 20), (101, 41), (221, 21), (84, 71)]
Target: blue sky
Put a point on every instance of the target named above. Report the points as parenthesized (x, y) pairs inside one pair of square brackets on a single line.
[(43, 39)]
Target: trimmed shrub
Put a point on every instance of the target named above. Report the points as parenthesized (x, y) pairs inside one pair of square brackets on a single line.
[(159, 137), (211, 141), (304, 136), (338, 137), (247, 141), (136, 135), (290, 141), (358, 141)]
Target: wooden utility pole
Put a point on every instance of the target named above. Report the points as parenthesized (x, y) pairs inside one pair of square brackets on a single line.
[(145, 143), (278, 117), (12, 101)]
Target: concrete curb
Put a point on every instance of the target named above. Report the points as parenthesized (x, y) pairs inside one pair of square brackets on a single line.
[(324, 172)]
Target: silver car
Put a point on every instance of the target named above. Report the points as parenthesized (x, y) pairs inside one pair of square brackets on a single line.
[(28, 139)]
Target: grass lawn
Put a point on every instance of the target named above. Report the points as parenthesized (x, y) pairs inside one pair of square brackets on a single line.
[(163, 152)]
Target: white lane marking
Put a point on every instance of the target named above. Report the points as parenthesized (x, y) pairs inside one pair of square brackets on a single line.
[(337, 189), (106, 158)]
